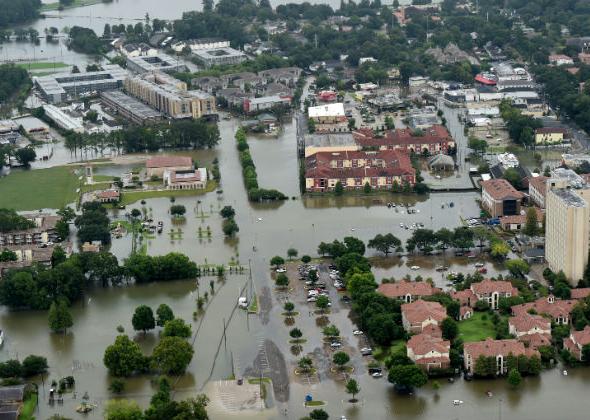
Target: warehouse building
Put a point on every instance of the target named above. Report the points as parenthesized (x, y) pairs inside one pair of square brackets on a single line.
[(130, 108)]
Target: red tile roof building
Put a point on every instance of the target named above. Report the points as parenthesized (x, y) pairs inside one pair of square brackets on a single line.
[(419, 314), (465, 297), (408, 291), (576, 342), (434, 139), (158, 164), (500, 198), (491, 291), (538, 190), (499, 349), (533, 330), (518, 221), (558, 309), (429, 352), (353, 169), (580, 293)]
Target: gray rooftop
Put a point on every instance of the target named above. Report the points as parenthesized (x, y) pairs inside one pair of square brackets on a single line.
[(332, 139), (57, 84), (573, 179), (569, 197), (131, 104)]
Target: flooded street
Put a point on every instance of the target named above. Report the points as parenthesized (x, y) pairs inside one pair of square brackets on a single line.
[(272, 229)]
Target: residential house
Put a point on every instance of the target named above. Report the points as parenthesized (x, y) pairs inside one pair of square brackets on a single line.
[(407, 291), (285, 75), (234, 97), (498, 349), (44, 231), (193, 179), (354, 169), (558, 309), (429, 352), (533, 330), (584, 58), (500, 198), (550, 135), (420, 314), (465, 297), (538, 190), (157, 165), (576, 341), (107, 196), (432, 140), (560, 60), (518, 221), (580, 293), (491, 291), (209, 84)]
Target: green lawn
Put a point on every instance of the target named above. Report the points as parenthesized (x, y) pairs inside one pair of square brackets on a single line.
[(41, 188), (131, 197), (476, 328), (29, 408), (43, 65)]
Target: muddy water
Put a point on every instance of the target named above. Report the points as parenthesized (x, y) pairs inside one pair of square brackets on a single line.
[(271, 229)]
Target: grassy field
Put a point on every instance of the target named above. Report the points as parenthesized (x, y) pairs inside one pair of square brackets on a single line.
[(42, 65), (77, 3), (29, 408), (37, 189), (131, 197), (477, 328)]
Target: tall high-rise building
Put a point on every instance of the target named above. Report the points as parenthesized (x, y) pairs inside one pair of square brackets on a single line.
[(567, 230)]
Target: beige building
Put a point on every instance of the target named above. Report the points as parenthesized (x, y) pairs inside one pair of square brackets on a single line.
[(550, 135), (567, 228), (170, 96)]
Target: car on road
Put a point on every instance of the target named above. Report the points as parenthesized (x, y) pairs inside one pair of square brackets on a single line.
[(281, 270), (377, 375), (335, 345), (357, 332)]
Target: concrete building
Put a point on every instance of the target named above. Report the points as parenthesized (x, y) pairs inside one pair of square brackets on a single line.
[(499, 198), (185, 180), (200, 44), (330, 142), (550, 135), (328, 118), (170, 96), (265, 103), (155, 63), (219, 56), (567, 227), (63, 120), (130, 108), (157, 165), (538, 190), (387, 169), (44, 231), (560, 60), (61, 87)]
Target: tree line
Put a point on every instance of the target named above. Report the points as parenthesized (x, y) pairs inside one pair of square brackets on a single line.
[(18, 11)]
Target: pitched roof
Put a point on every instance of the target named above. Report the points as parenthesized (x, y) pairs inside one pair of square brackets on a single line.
[(521, 218), (500, 189), (580, 293), (168, 161), (404, 288), (424, 343), (582, 337), (492, 348), (524, 322), (465, 296), (421, 310), (539, 182), (108, 194), (556, 308), (534, 341), (488, 286)]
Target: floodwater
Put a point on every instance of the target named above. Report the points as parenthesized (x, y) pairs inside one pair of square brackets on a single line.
[(272, 229)]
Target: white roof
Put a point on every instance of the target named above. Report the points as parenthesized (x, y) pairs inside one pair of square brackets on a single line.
[(328, 110)]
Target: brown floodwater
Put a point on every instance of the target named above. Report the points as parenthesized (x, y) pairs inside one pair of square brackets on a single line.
[(271, 229)]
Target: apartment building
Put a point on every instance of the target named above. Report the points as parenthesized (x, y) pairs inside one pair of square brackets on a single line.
[(170, 96), (567, 226)]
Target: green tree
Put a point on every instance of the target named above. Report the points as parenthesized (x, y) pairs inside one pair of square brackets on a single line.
[(143, 319), (367, 188), (177, 210), (11, 369), (122, 410), (164, 314), (58, 256), (292, 253), (449, 328), (453, 309), (407, 377), (352, 388), (318, 414), (282, 280), (227, 212), (499, 249), (305, 364), (289, 307), (514, 378), (511, 175), (322, 302), (124, 357), (117, 386), (340, 359), (172, 355), (384, 243), (34, 365), (531, 227), (60, 318), (338, 189), (296, 333), (306, 259), (277, 261), (25, 156), (177, 328), (331, 331), (518, 267), (230, 227)]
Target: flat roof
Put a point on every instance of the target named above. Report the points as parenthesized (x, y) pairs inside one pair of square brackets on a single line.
[(131, 104), (329, 139), (569, 197), (211, 54), (328, 110)]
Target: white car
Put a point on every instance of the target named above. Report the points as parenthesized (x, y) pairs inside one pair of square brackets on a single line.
[(414, 267), (377, 375), (357, 332), (335, 345), (479, 265), (281, 270), (312, 292), (366, 349), (311, 299)]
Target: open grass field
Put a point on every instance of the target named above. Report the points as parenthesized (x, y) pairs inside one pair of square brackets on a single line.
[(131, 197), (477, 328), (41, 188), (42, 65)]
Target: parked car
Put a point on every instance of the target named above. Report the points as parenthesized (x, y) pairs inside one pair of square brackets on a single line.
[(335, 345), (377, 375), (357, 332), (281, 270), (311, 299)]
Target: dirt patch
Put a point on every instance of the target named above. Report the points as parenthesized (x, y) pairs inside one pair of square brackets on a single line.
[(265, 303)]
